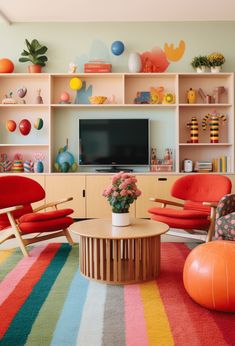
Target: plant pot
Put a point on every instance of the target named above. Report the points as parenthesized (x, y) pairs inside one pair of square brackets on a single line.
[(201, 69), (120, 219), (216, 69), (35, 68)]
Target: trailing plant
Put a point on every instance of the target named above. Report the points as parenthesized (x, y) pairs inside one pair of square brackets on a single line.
[(199, 61), (35, 53)]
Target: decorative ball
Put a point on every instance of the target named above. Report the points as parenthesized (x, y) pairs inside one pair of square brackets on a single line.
[(11, 125), (25, 127), (117, 47), (75, 83), (209, 275), (22, 92), (38, 124), (6, 66), (64, 97)]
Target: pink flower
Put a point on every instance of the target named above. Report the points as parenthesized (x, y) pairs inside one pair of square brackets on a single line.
[(138, 192), (115, 194), (123, 193), (122, 186), (128, 181)]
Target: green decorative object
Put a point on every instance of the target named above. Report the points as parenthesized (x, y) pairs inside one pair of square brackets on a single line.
[(65, 160)]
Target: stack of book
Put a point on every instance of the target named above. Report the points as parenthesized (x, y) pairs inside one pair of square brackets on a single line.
[(222, 164), (97, 66), (203, 166)]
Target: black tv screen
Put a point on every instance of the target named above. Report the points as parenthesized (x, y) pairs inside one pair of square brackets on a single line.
[(113, 142)]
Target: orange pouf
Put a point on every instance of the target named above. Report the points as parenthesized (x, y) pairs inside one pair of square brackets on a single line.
[(209, 275), (6, 66)]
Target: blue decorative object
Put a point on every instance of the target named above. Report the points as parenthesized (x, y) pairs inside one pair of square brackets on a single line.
[(83, 95), (39, 167), (65, 160), (117, 47)]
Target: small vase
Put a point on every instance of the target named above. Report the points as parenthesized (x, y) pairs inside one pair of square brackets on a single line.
[(35, 69), (134, 63), (201, 69), (120, 219), (215, 69), (39, 167)]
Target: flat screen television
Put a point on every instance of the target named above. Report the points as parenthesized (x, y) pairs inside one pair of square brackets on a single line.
[(114, 142)]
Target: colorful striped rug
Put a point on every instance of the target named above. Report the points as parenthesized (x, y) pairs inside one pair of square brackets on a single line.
[(45, 301)]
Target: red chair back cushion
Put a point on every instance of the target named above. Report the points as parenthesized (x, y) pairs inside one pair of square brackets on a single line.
[(201, 187), (16, 190)]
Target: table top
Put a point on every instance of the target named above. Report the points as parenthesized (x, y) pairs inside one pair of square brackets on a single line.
[(103, 229)]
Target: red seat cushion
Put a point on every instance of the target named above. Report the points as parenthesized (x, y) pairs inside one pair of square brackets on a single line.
[(46, 226), (48, 215), (179, 213), (182, 223)]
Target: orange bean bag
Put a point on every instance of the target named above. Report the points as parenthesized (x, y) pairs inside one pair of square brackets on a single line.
[(209, 275)]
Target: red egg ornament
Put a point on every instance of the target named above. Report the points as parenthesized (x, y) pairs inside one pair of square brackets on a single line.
[(11, 125), (6, 66), (25, 127)]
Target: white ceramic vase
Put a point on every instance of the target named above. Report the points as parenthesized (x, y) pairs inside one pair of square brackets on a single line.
[(201, 69), (215, 69), (134, 63), (120, 219)]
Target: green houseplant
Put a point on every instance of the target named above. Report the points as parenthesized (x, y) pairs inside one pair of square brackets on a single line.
[(200, 63), (34, 54)]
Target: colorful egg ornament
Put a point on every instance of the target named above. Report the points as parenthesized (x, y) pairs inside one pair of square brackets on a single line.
[(25, 127), (38, 124), (11, 125)]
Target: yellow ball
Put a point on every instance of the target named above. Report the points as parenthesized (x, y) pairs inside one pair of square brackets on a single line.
[(75, 83)]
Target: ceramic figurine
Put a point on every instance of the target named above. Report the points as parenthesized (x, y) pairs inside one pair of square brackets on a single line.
[(191, 96), (64, 98), (72, 68), (28, 166), (153, 156), (194, 130), (9, 99), (39, 99), (134, 63), (17, 166), (21, 93), (65, 160), (38, 165), (215, 120)]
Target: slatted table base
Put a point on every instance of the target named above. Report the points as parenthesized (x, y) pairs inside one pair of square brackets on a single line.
[(120, 261)]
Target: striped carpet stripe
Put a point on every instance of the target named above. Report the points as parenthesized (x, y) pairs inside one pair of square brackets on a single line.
[(134, 317), (50, 303), (5, 254), (9, 263), (53, 305), (68, 324), (91, 326)]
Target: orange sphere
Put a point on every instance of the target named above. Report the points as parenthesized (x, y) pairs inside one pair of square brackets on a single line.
[(11, 125), (209, 275), (6, 66)]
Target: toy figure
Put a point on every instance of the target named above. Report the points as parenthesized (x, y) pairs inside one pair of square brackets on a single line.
[(157, 94), (39, 99), (153, 156), (191, 96), (72, 68)]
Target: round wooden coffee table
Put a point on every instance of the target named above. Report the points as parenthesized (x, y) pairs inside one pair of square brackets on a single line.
[(119, 255)]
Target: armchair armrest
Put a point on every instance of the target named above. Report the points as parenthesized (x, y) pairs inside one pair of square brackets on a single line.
[(166, 202), (52, 204), (210, 204), (8, 210)]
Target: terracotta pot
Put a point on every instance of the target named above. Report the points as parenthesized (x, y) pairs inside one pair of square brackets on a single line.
[(35, 69)]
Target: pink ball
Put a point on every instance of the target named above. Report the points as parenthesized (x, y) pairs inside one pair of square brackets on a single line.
[(64, 96)]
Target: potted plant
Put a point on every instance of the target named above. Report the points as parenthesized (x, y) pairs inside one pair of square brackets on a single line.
[(121, 194), (200, 63), (35, 54), (216, 60)]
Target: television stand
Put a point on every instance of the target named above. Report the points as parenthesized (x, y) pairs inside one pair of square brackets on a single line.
[(114, 169)]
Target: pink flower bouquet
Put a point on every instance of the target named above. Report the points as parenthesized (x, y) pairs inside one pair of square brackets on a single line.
[(122, 192)]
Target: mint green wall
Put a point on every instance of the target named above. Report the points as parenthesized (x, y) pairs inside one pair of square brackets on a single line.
[(78, 42)]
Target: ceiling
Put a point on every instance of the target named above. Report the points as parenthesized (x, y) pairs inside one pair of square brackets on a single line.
[(116, 10)]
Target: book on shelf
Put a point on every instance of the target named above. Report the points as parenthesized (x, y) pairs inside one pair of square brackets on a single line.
[(222, 164), (203, 166), (97, 66)]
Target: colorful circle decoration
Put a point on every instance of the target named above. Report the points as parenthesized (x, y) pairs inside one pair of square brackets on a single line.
[(117, 47), (38, 124), (6, 66), (11, 125), (75, 83), (25, 127)]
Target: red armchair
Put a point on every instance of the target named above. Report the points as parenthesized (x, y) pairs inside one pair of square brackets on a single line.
[(17, 217), (201, 194)]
